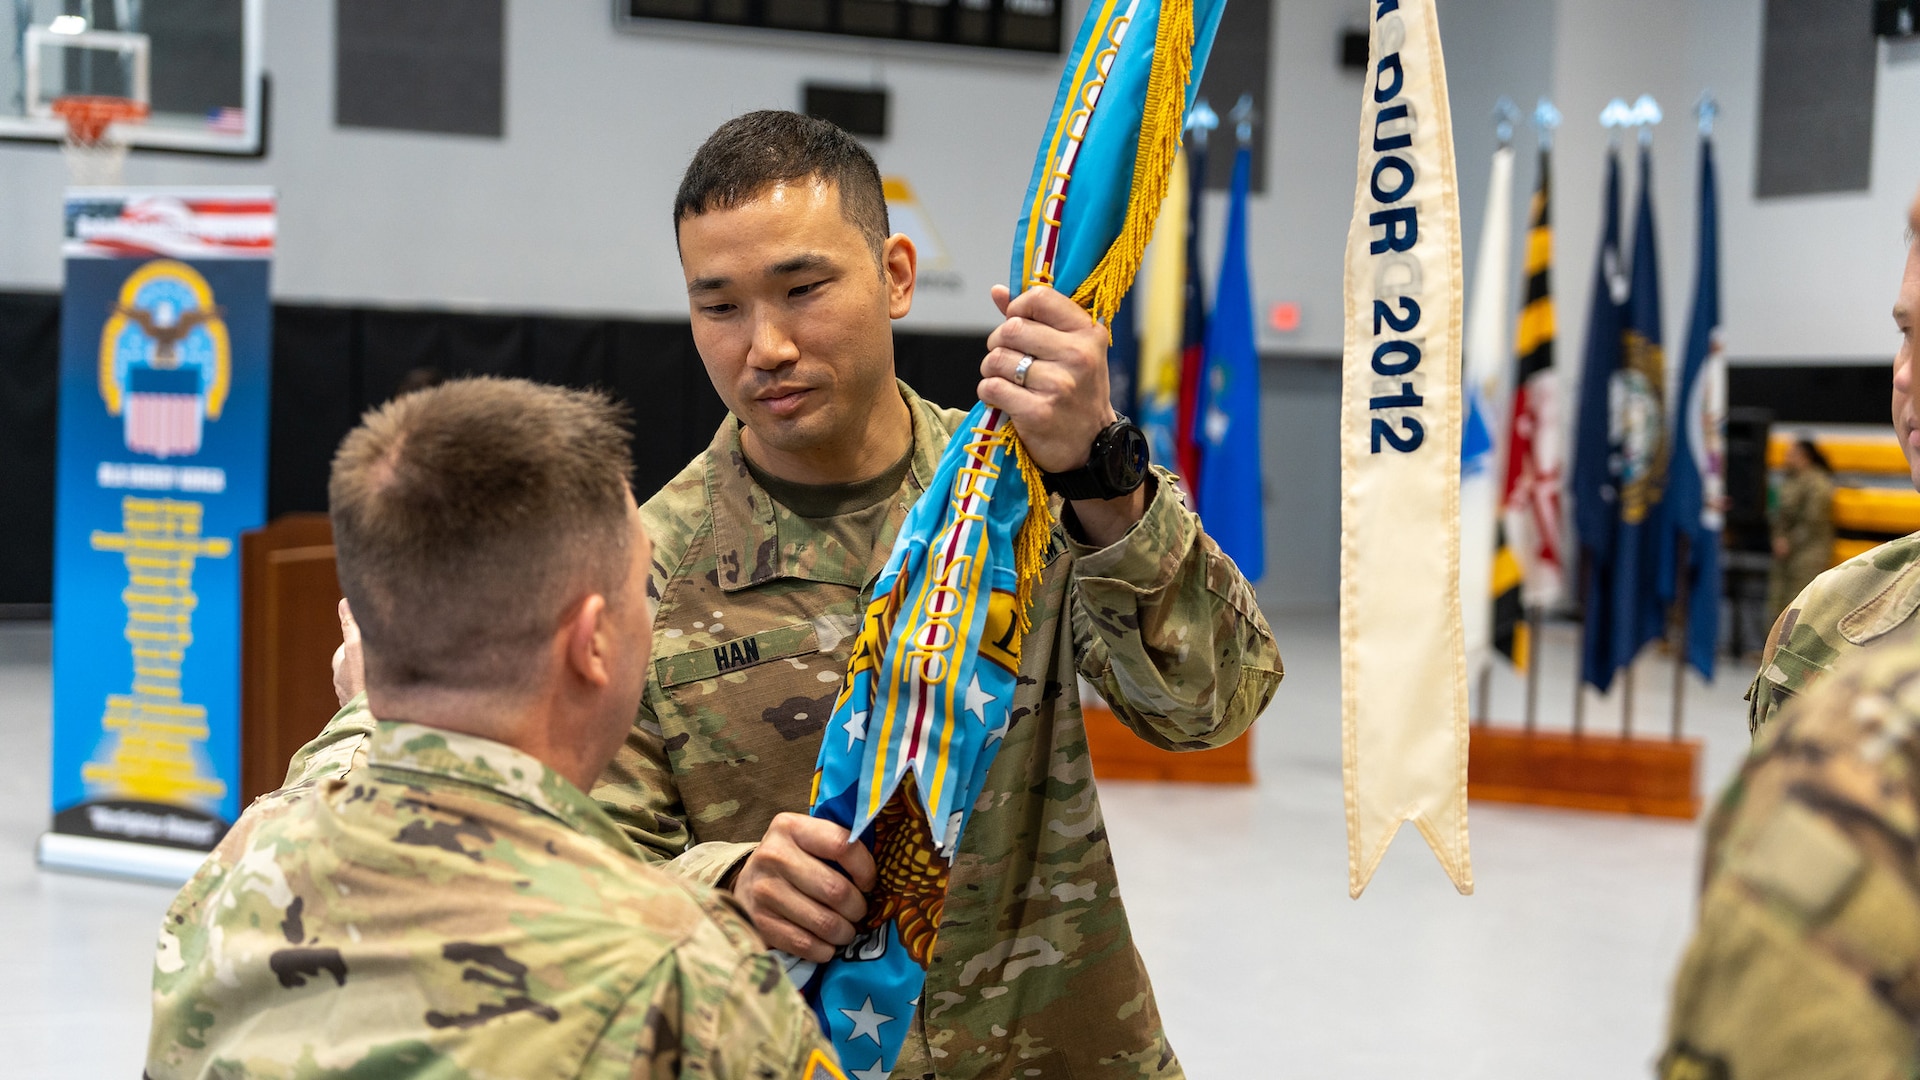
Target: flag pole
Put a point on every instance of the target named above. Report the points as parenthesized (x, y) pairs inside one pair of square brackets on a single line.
[(1533, 667), (1677, 628), (1679, 679), (1580, 654), (1626, 702)]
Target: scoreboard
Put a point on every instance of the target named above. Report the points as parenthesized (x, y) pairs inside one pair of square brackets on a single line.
[(1019, 25)]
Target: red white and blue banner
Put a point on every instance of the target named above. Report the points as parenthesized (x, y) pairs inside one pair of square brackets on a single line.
[(164, 359)]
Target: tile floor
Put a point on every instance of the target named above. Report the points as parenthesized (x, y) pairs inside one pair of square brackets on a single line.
[(1558, 966)]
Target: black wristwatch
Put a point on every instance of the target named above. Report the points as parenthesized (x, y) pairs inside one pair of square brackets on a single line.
[(1116, 465)]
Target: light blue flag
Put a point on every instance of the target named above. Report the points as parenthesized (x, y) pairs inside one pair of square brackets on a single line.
[(1230, 497), (929, 690), (1085, 223), (919, 719)]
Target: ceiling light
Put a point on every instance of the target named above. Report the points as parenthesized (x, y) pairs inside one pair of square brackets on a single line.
[(68, 24)]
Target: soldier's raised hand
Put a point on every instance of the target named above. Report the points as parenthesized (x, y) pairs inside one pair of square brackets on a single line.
[(349, 669)]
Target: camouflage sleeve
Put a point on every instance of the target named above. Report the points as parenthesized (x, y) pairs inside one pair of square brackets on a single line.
[(722, 1007), (1169, 631), (1806, 962), (1764, 696), (177, 1038), (638, 791), (340, 747)]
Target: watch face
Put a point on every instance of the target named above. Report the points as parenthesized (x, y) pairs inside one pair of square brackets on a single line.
[(1125, 461)]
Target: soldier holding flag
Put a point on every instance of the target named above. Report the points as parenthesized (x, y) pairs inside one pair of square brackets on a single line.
[(770, 540)]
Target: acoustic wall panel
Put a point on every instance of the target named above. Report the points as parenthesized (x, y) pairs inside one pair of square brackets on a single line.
[(1819, 60), (421, 65)]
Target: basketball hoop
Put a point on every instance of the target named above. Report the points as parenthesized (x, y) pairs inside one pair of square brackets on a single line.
[(96, 146)]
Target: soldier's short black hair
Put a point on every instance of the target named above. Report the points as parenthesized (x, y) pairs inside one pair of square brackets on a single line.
[(750, 153)]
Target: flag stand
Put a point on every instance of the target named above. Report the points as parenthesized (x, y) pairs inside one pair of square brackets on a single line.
[(1584, 770)]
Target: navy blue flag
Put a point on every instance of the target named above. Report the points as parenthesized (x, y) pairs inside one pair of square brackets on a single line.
[(1643, 562), (1697, 499), (1123, 358), (1592, 490), (1229, 497)]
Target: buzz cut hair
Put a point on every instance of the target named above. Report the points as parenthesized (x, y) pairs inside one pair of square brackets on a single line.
[(469, 518), (751, 153)]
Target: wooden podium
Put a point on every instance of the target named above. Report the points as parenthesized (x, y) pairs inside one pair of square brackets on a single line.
[(289, 627)]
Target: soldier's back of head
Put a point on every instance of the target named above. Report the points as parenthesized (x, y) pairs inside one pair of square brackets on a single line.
[(451, 902)]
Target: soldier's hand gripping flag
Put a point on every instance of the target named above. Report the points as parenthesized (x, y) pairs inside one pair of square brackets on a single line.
[(927, 697)]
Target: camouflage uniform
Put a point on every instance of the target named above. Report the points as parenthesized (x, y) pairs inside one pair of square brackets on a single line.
[(1806, 963), (451, 907), (1852, 605), (1034, 973), (1803, 518)]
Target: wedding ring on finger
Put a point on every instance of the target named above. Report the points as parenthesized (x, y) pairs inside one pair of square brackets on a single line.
[(1020, 370)]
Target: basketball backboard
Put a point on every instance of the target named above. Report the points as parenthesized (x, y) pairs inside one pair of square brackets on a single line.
[(194, 63)]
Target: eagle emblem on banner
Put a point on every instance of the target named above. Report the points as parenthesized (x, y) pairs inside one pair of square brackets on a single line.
[(165, 359)]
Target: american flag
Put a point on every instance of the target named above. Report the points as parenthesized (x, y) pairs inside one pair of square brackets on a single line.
[(163, 413), (227, 120)]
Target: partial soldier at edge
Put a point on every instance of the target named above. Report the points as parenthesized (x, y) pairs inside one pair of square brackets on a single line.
[(1806, 963), (1861, 601)]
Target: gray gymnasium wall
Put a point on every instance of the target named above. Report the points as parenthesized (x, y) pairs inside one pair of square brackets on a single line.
[(567, 212)]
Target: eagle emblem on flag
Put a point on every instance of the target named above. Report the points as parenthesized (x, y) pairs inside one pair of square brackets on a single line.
[(165, 359)]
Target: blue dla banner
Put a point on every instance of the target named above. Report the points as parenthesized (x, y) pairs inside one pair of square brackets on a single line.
[(164, 350)]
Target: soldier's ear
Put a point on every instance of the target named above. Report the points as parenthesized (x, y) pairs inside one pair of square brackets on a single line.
[(589, 641)]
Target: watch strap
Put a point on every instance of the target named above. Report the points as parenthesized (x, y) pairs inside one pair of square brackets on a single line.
[(1080, 483)]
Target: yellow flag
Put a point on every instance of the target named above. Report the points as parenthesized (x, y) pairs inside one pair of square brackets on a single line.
[(1165, 304), (1402, 673)]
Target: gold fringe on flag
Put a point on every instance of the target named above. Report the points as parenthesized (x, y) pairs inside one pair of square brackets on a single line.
[(1030, 547), (1161, 123)]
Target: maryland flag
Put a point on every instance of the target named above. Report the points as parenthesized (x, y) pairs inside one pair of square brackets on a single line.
[(1527, 567), (927, 697)]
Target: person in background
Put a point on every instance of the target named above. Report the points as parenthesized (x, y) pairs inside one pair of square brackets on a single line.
[(1802, 521), (1863, 599), (433, 893)]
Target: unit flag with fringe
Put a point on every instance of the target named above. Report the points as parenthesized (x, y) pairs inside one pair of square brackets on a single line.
[(927, 696)]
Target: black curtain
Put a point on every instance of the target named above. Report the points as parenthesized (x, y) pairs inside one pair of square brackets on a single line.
[(330, 364), (29, 383)]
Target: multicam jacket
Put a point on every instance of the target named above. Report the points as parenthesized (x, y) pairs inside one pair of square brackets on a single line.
[(1034, 973), (449, 907), (1802, 517), (1806, 963), (1852, 605)]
